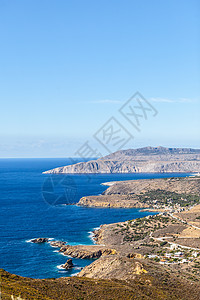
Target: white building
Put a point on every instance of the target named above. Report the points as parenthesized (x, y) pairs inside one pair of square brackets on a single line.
[(173, 247)]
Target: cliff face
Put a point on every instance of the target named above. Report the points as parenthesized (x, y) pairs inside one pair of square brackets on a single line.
[(86, 251), (109, 200), (142, 160)]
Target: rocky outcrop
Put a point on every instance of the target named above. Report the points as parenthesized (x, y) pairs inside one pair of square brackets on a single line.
[(68, 265), (40, 240), (115, 201), (116, 266), (57, 244), (135, 255), (86, 252), (142, 160)]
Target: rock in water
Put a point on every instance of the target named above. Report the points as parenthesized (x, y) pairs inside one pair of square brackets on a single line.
[(57, 244), (68, 264), (39, 240)]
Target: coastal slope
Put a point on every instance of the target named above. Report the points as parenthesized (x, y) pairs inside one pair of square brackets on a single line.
[(142, 160), (156, 283), (170, 238), (154, 257), (159, 194)]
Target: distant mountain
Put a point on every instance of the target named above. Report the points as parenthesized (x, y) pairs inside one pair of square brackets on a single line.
[(153, 151), (141, 160)]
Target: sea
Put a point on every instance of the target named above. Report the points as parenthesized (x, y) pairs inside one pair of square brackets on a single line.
[(35, 205)]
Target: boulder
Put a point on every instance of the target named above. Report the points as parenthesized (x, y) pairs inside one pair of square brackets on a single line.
[(68, 265), (57, 244), (135, 255)]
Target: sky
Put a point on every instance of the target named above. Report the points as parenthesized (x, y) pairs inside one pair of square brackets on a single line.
[(67, 67)]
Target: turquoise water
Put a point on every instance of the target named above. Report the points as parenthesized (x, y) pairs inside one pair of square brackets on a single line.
[(32, 205)]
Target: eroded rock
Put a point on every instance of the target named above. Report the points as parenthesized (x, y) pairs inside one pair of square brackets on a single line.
[(114, 266), (57, 244), (40, 240), (87, 252), (68, 265)]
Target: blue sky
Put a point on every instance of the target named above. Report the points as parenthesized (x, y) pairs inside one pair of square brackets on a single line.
[(66, 67)]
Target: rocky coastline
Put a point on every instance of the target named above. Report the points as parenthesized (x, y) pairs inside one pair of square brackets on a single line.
[(159, 253), (86, 251), (150, 194), (138, 238), (111, 201), (142, 160)]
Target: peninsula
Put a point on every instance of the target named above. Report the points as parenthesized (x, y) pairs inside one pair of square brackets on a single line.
[(163, 194), (142, 160)]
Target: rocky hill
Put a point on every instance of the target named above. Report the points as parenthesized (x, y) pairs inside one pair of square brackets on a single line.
[(148, 193), (147, 280), (142, 160)]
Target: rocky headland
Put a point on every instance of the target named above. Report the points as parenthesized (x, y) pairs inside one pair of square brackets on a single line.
[(115, 201), (142, 160), (86, 251), (159, 194)]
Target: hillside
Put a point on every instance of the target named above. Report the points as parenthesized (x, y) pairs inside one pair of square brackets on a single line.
[(153, 283), (142, 160), (161, 193), (154, 257)]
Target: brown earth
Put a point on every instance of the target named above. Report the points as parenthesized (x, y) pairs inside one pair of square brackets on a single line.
[(187, 185), (191, 217)]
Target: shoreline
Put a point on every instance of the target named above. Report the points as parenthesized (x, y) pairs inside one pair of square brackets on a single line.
[(92, 234)]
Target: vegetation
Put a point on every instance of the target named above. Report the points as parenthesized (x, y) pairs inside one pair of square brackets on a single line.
[(141, 228), (163, 243), (158, 285), (168, 198)]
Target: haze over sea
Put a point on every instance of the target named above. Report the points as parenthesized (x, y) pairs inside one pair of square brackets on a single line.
[(27, 212)]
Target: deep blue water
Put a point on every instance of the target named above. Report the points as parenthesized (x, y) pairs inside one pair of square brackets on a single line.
[(31, 205)]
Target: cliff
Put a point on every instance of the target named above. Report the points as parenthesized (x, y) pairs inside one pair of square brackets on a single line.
[(115, 201), (142, 160), (86, 251)]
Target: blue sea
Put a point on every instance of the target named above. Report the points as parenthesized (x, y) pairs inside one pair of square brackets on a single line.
[(32, 205)]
